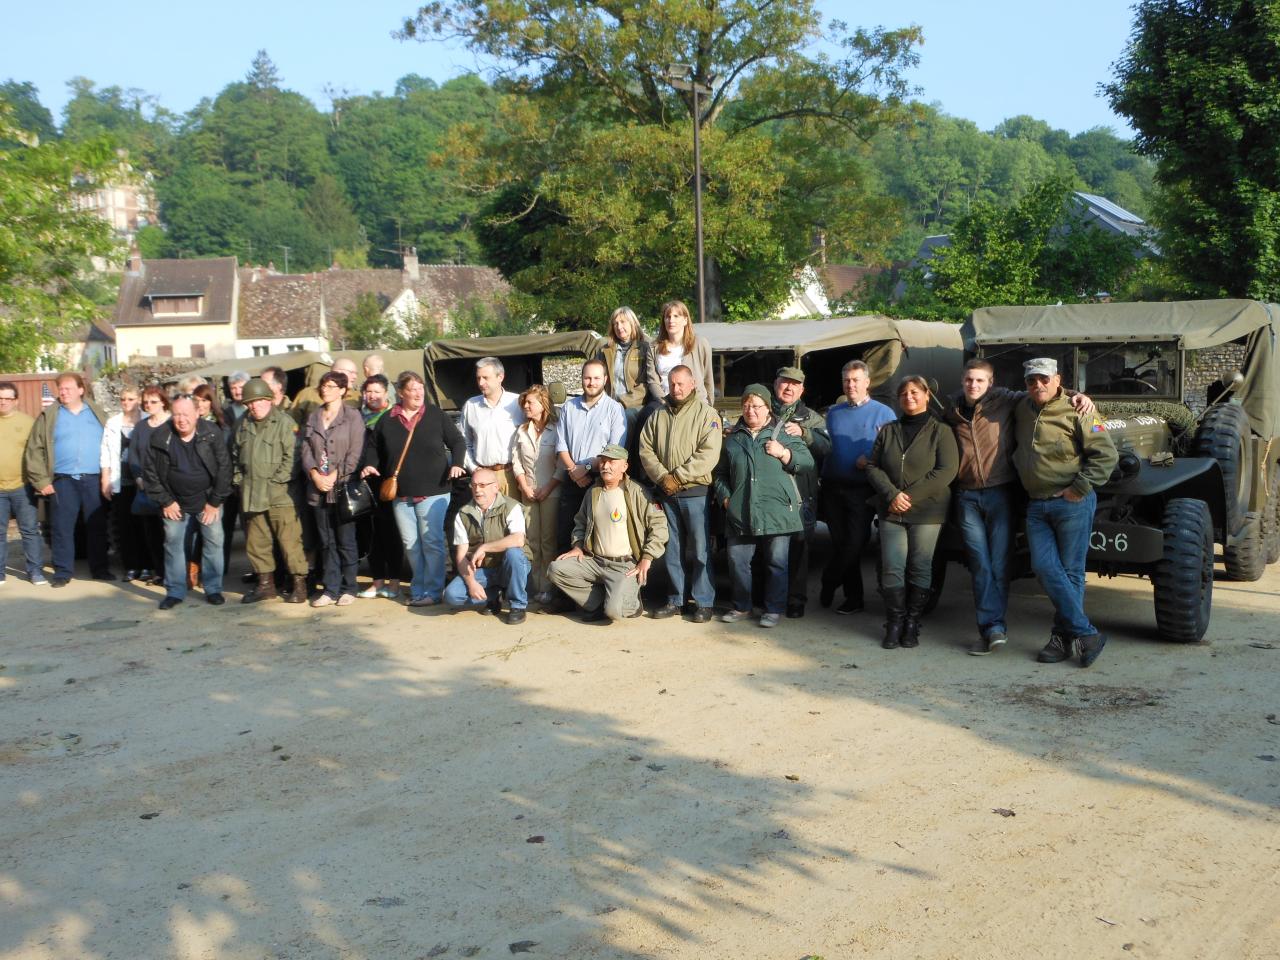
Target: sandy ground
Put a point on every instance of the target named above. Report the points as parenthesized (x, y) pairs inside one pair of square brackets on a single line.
[(281, 782)]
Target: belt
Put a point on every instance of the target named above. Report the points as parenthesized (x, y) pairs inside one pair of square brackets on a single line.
[(495, 466), (601, 556)]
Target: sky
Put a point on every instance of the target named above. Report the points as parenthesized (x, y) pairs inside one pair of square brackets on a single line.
[(983, 61)]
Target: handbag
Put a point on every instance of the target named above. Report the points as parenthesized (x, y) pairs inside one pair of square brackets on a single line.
[(354, 499), (391, 486)]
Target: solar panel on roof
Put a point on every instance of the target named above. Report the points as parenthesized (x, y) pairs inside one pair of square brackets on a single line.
[(1106, 206)]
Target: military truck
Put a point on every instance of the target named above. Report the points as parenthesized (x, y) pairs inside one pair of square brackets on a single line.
[(1185, 483)]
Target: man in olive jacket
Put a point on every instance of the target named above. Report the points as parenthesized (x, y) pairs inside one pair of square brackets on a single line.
[(679, 449), (811, 427), (1061, 458), (617, 534), (263, 453)]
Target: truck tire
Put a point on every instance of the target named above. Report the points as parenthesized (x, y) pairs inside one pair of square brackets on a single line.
[(1183, 579), (1271, 516), (1245, 559), (1221, 435)]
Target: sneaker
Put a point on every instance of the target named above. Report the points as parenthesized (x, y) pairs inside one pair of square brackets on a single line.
[(769, 620), (168, 603), (324, 600), (346, 600), (387, 593), (39, 581), (1055, 651), (702, 615), (997, 638), (734, 616), (130, 576), (664, 611), (1090, 647), (515, 615), (369, 593), (215, 599), (848, 607), (63, 581), (423, 602)]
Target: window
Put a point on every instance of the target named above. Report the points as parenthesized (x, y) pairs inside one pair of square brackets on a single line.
[(164, 351), (197, 351), (294, 348), (261, 351), (176, 306)]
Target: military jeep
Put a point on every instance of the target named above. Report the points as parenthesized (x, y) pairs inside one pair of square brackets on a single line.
[(1185, 482)]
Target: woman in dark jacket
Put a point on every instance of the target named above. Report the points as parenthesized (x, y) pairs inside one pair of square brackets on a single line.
[(332, 447), (433, 456), (155, 406), (756, 484), (912, 464)]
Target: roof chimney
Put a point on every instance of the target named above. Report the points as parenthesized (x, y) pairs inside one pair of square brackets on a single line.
[(411, 264), (135, 260)]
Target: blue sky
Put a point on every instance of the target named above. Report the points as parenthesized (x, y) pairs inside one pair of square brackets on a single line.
[(983, 61)]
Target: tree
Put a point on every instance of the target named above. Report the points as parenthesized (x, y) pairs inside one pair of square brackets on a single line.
[(45, 239), (366, 327), (29, 113), (590, 131), (131, 119), (1200, 82), (262, 74)]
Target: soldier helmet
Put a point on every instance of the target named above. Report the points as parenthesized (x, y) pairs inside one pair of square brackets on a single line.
[(256, 389)]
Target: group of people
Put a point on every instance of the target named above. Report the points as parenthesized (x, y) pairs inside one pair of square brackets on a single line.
[(573, 508)]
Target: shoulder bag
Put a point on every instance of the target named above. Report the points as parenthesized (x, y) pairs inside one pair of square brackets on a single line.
[(390, 486)]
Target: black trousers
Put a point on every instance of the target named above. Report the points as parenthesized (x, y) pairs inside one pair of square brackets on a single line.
[(849, 514)]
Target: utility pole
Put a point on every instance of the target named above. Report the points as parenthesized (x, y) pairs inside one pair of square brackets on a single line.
[(680, 76), (286, 256)]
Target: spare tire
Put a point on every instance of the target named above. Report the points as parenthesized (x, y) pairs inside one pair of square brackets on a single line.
[(1222, 434), (1271, 516), (1183, 578)]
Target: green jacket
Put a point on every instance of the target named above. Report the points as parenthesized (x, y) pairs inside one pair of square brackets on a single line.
[(814, 433), (684, 441), (764, 499), (262, 460), (38, 458), (1057, 448), (923, 470), (646, 522), (634, 390)]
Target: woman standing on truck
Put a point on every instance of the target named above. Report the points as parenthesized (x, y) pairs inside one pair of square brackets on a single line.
[(678, 345), (911, 467)]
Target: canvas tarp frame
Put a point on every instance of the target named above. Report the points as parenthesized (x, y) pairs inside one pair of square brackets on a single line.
[(449, 365)]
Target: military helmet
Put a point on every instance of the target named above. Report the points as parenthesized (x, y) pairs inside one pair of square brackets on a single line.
[(256, 389)]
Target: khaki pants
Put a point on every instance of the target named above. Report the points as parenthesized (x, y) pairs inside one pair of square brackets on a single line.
[(507, 485), (540, 540), (279, 525), (592, 581)]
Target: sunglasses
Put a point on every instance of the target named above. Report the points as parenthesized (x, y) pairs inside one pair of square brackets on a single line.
[(1037, 378)]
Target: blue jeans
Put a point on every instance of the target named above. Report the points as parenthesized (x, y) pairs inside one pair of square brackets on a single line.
[(986, 525), (688, 527), (21, 505), (906, 554), (511, 576), (421, 527), (773, 550), (176, 535), (72, 497), (1058, 535)]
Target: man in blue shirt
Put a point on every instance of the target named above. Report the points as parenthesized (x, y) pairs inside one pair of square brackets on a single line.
[(853, 424), (588, 424), (63, 462)]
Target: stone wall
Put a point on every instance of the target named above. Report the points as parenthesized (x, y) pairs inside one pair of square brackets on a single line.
[(1203, 367)]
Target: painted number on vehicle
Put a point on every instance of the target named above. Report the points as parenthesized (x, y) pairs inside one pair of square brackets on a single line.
[(1098, 540)]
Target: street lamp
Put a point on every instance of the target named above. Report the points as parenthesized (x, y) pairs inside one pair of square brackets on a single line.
[(680, 76)]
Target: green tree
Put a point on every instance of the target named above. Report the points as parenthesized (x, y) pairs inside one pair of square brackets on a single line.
[(365, 327), (131, 119), (29, 113), (45, 239), (1200, 82), (592, 134)]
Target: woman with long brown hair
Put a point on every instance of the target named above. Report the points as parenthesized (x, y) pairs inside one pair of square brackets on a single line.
[(538, 475), (678, 345)]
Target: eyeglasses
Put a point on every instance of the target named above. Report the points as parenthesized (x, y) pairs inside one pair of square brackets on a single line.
[(1037, 378)]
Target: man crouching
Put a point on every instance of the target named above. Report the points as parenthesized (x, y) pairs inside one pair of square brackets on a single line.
[(617, 534), (488, 551)]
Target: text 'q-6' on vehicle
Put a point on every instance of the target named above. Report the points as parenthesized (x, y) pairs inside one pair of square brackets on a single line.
[(1185, 482)]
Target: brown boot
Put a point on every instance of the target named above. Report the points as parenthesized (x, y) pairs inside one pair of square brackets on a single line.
[(265, 590), (299, 594)]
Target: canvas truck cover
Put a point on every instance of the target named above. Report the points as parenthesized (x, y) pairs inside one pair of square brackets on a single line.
[(448, 366), (315, 363), (1194, 324)]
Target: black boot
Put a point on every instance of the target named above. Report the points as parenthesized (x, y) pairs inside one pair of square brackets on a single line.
[(265, 590), (895, 609), (917, 599)]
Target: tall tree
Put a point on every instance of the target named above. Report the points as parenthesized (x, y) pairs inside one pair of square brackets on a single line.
[(593, 132), (1200, 82), (29, 113), (132, 119), (46, 239)]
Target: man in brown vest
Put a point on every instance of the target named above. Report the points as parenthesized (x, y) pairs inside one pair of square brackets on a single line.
[(488, 551)]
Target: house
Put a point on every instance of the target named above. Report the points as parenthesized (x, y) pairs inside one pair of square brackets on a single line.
[(90, 348), (178, 308)]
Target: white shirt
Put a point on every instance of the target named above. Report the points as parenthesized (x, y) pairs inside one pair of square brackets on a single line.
[(488, 430), (515, 524), (665, 363)]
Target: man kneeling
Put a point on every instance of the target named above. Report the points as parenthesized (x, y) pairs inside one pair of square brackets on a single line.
[(617, 534), (488, 551)]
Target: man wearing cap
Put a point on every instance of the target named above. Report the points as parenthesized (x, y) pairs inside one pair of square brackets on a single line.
[(1061, 459), (799, 421), (263, 452), (488, 551), (587, 424), (679, 449), (489, 423), (617, 534)]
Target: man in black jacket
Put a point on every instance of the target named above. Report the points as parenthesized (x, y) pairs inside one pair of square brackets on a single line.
[(189, 477)]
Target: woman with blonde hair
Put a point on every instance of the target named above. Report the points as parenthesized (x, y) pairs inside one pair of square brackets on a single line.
[(538, 474), (678, 345), (911, 467), (626, 356)]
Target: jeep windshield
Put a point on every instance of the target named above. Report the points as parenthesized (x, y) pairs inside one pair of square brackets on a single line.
[(1150, 369)]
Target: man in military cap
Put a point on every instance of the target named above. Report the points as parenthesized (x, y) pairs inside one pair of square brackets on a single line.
[(262, 464), (1062, 457), (617, 534), (799, 421), (488, 551)]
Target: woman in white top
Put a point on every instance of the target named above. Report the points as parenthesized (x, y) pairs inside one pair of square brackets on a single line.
[(119, 485), (677, 344), (538, 474)]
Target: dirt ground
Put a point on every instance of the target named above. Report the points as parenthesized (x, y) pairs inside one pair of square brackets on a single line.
[(378, 782)]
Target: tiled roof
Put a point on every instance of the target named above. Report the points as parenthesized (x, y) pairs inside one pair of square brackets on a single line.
[(279, 305), (213, 279)]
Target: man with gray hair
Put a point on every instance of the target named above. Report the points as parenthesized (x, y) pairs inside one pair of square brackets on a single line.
[(489, 423), (234, 407)]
